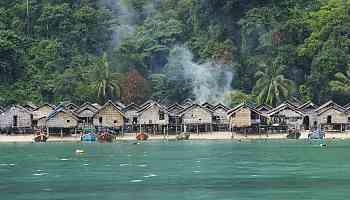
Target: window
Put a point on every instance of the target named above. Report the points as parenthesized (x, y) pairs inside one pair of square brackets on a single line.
[(68, 121), (115, 121), (348, 119), (134, 120), (150, 121), (100, 120), (161, 116), (329, 119), (15, 121), (127, 120)]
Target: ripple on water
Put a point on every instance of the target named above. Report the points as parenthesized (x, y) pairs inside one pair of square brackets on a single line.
[(123, 164), (150, 175), (142, 165), (136, 181), (196, 171), (65, 159), (40, 174)]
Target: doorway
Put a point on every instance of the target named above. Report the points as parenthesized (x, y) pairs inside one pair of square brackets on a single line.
[(306, 122)]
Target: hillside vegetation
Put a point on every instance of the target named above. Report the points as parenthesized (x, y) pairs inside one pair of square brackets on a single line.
[(170, 50)]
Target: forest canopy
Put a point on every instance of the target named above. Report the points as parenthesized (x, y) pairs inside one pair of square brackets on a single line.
[(171, 50)]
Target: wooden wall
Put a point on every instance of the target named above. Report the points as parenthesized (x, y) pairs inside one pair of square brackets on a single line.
[(62, 120), (111, 117), (337, 116), (197, 115), (151, 116), (23, 118), (220, 112), (130, 114), (241, 119)]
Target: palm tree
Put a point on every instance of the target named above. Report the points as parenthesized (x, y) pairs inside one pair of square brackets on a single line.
[(107, 82), (272, 87), (341, 82)]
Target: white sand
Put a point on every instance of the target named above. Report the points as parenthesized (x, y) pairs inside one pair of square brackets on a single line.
[(194, 136)]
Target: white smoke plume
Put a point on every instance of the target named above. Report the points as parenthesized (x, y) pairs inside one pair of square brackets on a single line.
[(210, 81)]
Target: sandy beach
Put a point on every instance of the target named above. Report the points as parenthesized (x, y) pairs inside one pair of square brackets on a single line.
[(204, 136)]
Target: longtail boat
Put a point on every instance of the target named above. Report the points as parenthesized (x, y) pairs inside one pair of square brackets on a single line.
[(183, 136), (105, 137), (88, 135), (142, 136)]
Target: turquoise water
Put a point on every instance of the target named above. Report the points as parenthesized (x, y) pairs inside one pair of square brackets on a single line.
[(280, 170)]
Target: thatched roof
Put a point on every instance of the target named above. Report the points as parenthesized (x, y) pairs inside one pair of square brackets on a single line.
[(110, 103), (243, 105), (347, 106), (120, 105), (220, 105), (62, 110), (146, 107), (283, 107), (185, 110), (175, 108), (340, 109), (208, 105), (131, 106), (29, 106), (329, 104), (46, 104), (263, 108), (308, 106), (86, 106), (147, 103), (18, 107)]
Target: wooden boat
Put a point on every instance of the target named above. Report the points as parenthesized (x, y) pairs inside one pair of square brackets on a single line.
[(293, 135), (141, 136), (40, 138), (105, 137), (317, 134), (183, 136), (88, 135)]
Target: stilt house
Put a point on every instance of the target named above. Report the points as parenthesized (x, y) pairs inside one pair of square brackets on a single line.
[(109, 116), (332, 117), (16, 117)]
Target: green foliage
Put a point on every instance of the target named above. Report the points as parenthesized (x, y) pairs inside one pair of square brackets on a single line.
[(235, 97), (61, 50), (272, 87)]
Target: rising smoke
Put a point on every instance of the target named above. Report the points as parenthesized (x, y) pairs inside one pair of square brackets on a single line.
[(210, 81)]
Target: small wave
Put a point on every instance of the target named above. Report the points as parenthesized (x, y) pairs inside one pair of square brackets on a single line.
[(47, 189), (39, 170), (198, 161), (196, 171), (64, 159), (5, 164), (150, 175), (86, 164), (136, 181), (142, 165), (40, 174), (123, 165)]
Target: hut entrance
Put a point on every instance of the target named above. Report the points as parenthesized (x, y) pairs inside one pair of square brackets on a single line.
[(15, 121), (329, 119), (306, 122)]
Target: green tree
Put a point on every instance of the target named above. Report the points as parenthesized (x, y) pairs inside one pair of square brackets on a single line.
[(272, 87), (107, 82), (341, 82)]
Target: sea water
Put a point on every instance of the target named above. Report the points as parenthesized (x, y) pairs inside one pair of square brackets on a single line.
[(170, 170)]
